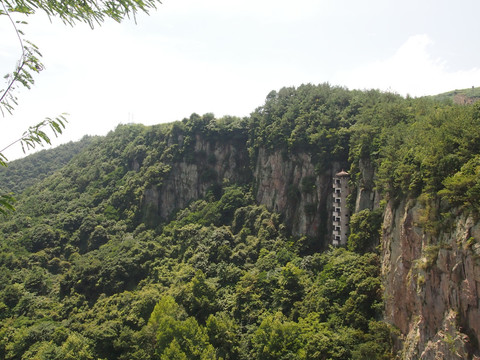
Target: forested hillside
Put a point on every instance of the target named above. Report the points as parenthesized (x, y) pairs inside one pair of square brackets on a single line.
[(462, 96), (23, 173), (210, 238)]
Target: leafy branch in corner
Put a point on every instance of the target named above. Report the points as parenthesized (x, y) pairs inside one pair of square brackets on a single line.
[(36, 135), (28, 63), (6, 204), (70, 12), (89, 11)]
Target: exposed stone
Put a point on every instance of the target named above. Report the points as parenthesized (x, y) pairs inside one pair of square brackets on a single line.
[(367, 195), (278, 183), (215, 163), (431, 285), (448, 342)]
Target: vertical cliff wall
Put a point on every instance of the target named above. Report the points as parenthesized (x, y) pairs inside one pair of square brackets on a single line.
[(214, 162), (431, 276), (284, 183), (367, 196), (208, 164), (288, 184), (432, 284)]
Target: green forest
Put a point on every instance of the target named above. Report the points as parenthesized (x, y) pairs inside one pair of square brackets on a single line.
[(91, 268)]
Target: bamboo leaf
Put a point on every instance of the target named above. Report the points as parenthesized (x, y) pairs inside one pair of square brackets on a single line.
[(6, 204), (3, 160)]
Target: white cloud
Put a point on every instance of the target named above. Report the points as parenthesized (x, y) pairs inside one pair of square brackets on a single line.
[(411, 70)]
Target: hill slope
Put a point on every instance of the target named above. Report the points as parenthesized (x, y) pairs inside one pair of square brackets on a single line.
[(209, 238), (23, 173), (463, 96)]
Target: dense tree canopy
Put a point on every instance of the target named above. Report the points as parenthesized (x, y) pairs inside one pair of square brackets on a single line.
[(88, 269)]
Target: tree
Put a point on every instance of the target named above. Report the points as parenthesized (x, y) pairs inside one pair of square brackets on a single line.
[(277, 338), (365, 229), (178, 336), (93, 13)]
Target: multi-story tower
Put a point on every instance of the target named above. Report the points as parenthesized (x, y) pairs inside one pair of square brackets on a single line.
[(341, 216)]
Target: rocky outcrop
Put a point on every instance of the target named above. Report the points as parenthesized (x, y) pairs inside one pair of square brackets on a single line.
[(284, 183), (288, 184), (432, 283), (367, 195), (210, 163)]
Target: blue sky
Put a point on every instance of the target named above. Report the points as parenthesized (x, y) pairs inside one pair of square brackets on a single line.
[(224, 57)]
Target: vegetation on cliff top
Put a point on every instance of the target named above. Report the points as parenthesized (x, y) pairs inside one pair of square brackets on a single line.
[(90, 268), (462, 96)]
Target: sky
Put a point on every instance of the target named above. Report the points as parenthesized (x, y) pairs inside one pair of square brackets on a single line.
[(224, 57)]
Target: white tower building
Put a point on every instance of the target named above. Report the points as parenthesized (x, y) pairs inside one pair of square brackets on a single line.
[(341, 216)]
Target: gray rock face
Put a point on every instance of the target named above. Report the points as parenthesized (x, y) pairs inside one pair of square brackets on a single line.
[(290, 186), (431, 283), (367, 196), (213, 163), (287, 184)]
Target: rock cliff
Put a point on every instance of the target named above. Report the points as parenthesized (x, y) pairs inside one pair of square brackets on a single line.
[(284, 183), (431, 283), (288, 184), (367, 195), (190, 178)]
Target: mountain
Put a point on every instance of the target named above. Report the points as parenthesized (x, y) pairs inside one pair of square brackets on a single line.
[(463, 96), (212, 238), (20, 174)]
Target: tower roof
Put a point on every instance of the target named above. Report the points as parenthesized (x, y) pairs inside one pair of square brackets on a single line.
[(342, 173)]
